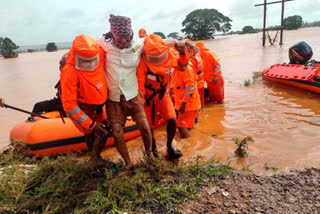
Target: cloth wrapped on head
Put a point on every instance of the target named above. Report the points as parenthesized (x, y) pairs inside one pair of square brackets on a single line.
[(121, 30)]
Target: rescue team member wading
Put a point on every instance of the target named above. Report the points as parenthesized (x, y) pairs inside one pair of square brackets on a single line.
[(184, 84), (85, 91), (122, 58), (197, 65), (153, 74), (212, 73)]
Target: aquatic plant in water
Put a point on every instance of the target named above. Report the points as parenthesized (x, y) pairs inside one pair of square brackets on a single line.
[(242, 146)]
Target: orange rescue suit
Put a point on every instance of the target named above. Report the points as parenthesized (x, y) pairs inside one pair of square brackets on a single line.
[(212, 68), (184, 84), (153, 82), (78, 86)]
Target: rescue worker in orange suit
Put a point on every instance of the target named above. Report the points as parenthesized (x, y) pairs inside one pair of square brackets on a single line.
[(184, 83), (142, 33), (122, 58), (212, 73), (153, 75), (85, 92), (197, 65)]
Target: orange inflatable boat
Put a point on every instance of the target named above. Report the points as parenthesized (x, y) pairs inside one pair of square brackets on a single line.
[(306, 77), (51, 136)]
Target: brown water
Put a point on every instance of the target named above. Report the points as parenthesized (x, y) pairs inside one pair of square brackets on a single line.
[(283, 121)]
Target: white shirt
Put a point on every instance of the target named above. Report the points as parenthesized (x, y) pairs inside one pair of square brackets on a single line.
[(120, 69)]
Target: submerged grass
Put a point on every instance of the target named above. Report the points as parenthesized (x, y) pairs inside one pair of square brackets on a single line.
[(242, 146), (65, 185), (247, 83)]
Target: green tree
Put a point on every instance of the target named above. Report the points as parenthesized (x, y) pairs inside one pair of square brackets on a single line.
[(51, 46), (203, 23), (7, 48), (160, 34), (173, 35), (248, 29), (292, 22)]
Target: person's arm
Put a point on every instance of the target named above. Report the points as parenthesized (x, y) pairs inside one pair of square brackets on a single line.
[(215, 66), (141, 77), (69, 86), (189, 82)]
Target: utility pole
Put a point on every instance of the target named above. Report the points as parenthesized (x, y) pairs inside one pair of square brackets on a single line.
[(264, 23), (265, 19), (281, 30)]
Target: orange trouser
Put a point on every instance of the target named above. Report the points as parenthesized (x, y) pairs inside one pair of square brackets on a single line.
[(186, 120), (201, 94), (216, 91), (163, 107)]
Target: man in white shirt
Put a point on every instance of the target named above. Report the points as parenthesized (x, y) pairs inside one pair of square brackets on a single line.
[(122, 58)]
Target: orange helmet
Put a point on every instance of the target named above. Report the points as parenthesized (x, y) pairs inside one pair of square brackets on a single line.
[(142, 32), (200, 45), (86, 52), (155, 49)]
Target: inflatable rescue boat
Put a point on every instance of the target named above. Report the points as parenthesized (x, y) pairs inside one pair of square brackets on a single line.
[(52, 136), (301, 72), (300, 76)]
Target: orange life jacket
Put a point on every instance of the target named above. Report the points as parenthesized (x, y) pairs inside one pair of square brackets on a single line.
[(153, 80)]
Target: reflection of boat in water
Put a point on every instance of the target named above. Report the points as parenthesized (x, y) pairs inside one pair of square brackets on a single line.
[(52, 136), (300, 106), (295, 98), (300, 76)]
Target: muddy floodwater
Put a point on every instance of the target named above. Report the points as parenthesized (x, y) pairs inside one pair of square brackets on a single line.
[(283, 121)]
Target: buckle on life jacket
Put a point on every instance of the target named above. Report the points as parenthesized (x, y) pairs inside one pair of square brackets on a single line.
[(199, 72)]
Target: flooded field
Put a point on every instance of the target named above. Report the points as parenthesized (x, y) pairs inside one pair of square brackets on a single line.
[(283, 121)]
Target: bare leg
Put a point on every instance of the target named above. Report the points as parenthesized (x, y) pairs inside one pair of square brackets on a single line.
[(154, 146), (144, 128), (184, 132), (96, 150), (120, 144), (89, 141)]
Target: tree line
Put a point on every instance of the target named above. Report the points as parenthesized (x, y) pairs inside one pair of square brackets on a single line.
[(200, 24), (8, 49)]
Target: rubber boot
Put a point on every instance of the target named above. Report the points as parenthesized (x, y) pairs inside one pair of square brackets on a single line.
[(173, 152)]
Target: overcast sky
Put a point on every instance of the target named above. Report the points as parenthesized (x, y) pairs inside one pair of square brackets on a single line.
[(31, 22)]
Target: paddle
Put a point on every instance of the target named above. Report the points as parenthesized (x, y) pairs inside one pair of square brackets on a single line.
[(24, 111)]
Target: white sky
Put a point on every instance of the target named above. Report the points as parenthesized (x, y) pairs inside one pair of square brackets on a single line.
[(32, 22)]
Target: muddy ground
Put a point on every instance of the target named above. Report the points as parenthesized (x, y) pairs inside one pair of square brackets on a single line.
[(296, 192)]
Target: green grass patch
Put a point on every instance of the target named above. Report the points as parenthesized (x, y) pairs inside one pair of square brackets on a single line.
[(267, 166), (64, 185)]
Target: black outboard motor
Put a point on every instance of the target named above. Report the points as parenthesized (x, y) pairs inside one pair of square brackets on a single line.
[(300, 53)]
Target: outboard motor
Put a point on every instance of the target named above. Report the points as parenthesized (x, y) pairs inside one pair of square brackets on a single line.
[(300, 53)]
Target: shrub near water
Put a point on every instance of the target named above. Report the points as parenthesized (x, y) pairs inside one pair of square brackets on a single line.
[(64, 185)]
